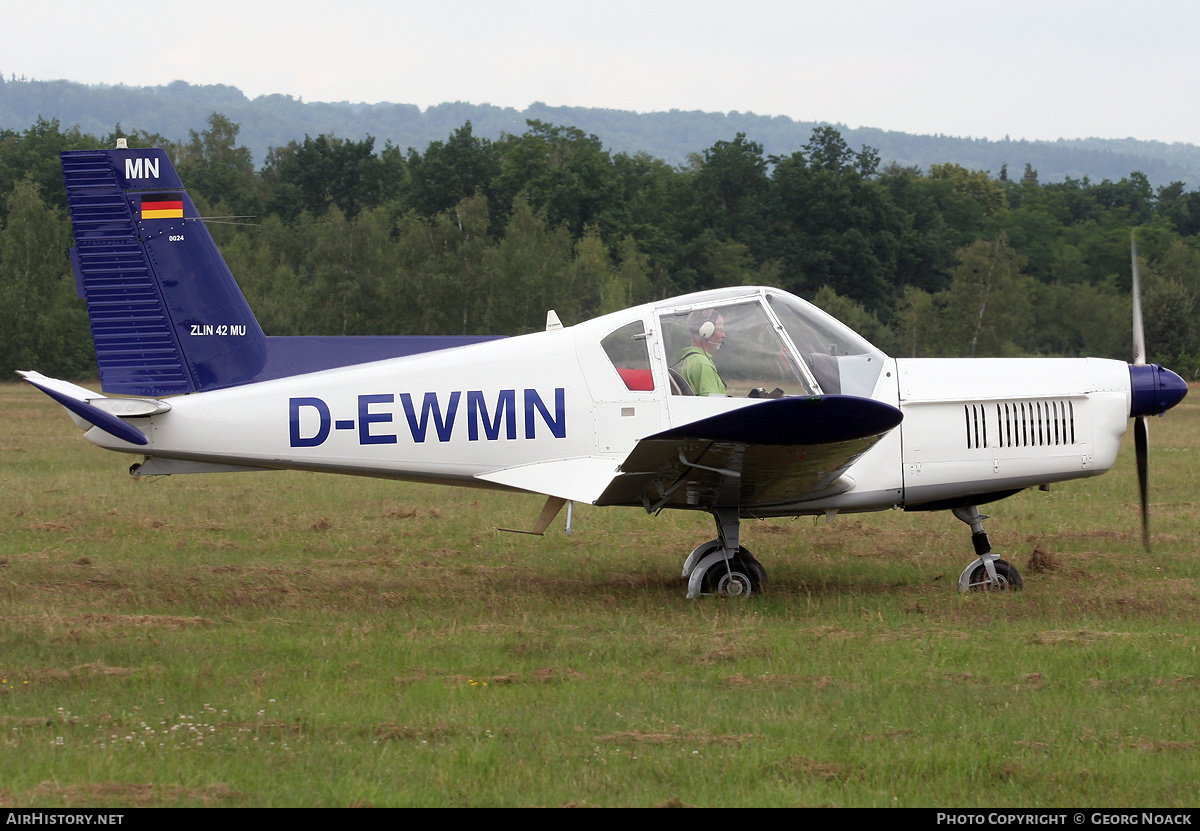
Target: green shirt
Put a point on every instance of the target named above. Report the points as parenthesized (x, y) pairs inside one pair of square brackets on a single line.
[(697, 368)]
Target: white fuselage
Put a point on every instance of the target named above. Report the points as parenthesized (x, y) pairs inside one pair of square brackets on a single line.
[(548, 412)]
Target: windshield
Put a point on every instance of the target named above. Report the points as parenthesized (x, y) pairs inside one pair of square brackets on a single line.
[(840, 359)]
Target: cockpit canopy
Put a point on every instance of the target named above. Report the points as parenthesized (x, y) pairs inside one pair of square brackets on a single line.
[(761, 341), (771, 341)]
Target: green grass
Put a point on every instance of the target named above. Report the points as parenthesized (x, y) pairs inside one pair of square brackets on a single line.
[(284, 639)]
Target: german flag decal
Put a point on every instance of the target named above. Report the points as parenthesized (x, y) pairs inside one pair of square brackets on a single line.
[(162, 206)]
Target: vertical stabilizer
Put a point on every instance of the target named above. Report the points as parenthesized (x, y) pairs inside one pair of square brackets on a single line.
[(167, 316)]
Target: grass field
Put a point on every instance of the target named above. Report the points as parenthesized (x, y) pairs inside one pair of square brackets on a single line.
[(280, 639)]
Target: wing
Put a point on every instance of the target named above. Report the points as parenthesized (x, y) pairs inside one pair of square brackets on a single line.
[(773, 452)]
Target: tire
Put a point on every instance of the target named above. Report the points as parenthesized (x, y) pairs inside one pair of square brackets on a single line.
[(1010, 578), (740, 576)]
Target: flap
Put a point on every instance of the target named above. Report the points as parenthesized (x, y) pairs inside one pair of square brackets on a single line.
[(582, 479)]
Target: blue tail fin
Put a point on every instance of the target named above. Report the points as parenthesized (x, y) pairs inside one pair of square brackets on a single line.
[(167, 316)]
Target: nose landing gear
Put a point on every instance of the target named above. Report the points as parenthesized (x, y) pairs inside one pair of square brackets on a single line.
[(987, 572)]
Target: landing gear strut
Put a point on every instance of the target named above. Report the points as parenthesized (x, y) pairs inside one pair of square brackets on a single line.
[(987, 572), (722, 566)]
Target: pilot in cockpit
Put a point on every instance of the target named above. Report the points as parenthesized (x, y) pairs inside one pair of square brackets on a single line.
[(695, 362)]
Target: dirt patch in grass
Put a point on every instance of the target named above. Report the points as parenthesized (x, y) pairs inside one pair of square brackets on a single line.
[(50, 526), (111, 621), (125, 793), (392, 732), (1077, 636), (99, 668), (1041, 561), (399, 512), (1152, 746), (820, 682), (542, 675), (1031, 681), (732, 653), (674, 735), (802, 766), (19, 678)]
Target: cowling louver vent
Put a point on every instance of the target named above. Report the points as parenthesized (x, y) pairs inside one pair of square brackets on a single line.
[(1036, 423)]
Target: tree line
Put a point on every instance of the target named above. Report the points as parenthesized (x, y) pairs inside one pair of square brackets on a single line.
[(475, 236)]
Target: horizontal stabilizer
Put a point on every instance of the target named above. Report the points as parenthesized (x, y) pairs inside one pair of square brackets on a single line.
[(66, 395)]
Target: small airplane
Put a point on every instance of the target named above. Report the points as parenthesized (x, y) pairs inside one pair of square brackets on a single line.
[(664, 405)]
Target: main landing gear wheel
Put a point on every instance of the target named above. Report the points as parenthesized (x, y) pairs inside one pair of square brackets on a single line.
[(722, 566), (739, 576), (1007, 577)]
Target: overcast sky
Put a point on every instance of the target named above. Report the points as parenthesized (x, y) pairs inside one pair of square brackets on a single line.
[(1034, 70)]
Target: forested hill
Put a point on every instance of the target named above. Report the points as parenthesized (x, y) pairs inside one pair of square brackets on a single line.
[(274, 120), (464, 234)]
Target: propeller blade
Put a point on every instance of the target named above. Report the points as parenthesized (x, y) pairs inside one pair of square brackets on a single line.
[(1139, 334), (1141, 424), (1141, 443)]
